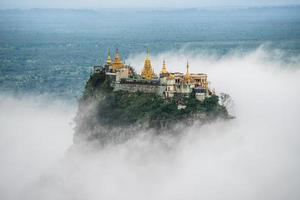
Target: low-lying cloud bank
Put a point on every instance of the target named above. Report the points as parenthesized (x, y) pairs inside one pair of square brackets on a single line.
[(35, 133), (255, 156)]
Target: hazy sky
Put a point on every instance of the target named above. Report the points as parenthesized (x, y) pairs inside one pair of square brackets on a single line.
[(96, 4)]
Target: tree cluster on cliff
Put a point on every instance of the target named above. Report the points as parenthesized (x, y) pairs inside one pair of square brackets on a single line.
[(113, 109)]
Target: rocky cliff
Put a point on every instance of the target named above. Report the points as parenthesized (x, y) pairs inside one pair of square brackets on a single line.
[(105, 114)]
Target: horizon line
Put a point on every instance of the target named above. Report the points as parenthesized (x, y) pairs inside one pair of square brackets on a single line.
[(153, 8)]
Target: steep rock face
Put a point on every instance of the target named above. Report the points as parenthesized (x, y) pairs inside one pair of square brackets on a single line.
[(104, 114)]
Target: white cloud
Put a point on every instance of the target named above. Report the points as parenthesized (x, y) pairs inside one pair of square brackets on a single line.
[(255, 156)]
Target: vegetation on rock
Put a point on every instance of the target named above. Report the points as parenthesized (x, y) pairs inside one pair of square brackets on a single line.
[(102, 108)]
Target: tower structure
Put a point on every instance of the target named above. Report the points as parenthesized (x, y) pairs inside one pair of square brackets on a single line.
[(187, 77), (117, 64), (164, 68), (108, 60), (147, 72)]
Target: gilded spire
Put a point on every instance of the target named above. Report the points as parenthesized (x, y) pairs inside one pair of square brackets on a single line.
[(164, 68), (148, 57), (187, 68), (117, 55), (187, 77), (147, 72), (108, 60), (117, 64)]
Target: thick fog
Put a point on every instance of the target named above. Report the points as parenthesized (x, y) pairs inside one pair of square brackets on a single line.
[(255, 156)]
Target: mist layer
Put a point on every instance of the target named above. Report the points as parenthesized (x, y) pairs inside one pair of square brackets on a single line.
[(255, 156)]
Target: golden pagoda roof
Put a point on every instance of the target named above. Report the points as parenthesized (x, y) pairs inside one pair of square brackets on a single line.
[(117, 64), (147, 72), (108, 60), (187, 76)]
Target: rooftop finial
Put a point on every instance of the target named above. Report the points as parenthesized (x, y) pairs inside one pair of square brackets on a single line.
[(187, 67), (148, 53), (187, 76), (117, 61), (108, 60), (147, 72), (164, 68)]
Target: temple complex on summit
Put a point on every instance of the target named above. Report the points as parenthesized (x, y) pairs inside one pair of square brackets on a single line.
[(167, 84)]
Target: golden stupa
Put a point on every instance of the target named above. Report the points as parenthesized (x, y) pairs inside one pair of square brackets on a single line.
[(108, 60), (147, 72), (187, 77), (117, 63), (164, 68)]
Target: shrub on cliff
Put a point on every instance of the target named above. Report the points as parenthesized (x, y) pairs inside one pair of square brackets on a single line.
[(122, 108)]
